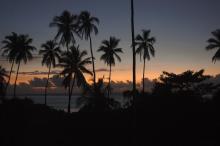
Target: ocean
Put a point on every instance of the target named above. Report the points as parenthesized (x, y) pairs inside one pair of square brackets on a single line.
[(60, 102)]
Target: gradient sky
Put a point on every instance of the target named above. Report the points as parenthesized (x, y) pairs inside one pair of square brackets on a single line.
[(181, 28)]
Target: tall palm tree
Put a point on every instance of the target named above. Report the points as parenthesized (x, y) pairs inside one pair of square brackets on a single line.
[(74, 65), (67, 25), (51, 53), (23, 52), (9, 49), (110, 50), (3, 76), (145, 48), (214, 43), (88, 25), (133, 49)]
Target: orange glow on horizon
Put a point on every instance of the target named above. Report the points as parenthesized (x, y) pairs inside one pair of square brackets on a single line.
[(116, 76)]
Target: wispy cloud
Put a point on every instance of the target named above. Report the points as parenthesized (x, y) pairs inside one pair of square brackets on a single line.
[(39, 73), (102, 70), (113, 70)]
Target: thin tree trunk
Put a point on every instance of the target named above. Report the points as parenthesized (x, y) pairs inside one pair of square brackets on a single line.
[(70, 93), (109, 82), (15, 85), (45, 100), (143, 76), (134, 72), (9, 77), (72, 85), (67, 47), (133, 49), (69, 100), (93, 63)]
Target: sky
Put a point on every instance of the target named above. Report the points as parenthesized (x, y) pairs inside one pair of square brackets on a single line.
[(181, 29)]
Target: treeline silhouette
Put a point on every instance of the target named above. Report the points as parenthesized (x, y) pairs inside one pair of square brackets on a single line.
[(182, 109)]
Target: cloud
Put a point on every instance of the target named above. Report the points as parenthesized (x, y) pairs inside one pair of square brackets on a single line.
[(39, 73), (38, 82), (37, 86), (102, 70), (107, 70), (57, 81)]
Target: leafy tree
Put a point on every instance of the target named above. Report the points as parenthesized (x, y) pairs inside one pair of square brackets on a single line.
[(187, 83)]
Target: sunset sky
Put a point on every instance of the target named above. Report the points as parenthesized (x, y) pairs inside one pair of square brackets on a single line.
[(181, 28)]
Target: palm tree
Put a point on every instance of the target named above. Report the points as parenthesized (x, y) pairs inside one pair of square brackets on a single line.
[(74, 64), (145, 46), (67, 25), (96, 100), (9, 49), (214, 43), (110, 50), (3, 76), (87, 25), (133, 49), (51, 53), (23, 52)]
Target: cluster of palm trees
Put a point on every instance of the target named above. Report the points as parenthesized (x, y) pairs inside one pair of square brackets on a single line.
[(18, 49)]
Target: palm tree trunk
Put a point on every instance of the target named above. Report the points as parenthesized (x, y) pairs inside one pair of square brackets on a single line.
[(69, 100), (45, 100), (72, 85), (15, 85), (70, 94), (143, 76), (134, 72), (12, 65), (93, 63), (67, 47), (109, 82), (133, 49)]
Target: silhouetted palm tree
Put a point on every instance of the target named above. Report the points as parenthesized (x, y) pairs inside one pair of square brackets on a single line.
[(3, 76), (110, 50), (9, 49), (74, 64), (145, 48), (95, 100), (67, 25), (51, 53), (23, 52), (133, 48), (214, 43), (87, 25)]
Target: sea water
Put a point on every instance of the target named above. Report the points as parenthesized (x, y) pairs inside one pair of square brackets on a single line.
[(60, 102)]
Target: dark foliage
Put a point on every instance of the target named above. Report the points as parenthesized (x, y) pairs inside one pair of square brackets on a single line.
[(94, 99)]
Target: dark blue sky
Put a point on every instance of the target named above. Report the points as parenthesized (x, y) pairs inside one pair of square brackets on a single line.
[(181, 28)]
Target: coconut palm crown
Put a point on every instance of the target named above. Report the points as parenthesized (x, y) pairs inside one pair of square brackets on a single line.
[(214, 43)]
